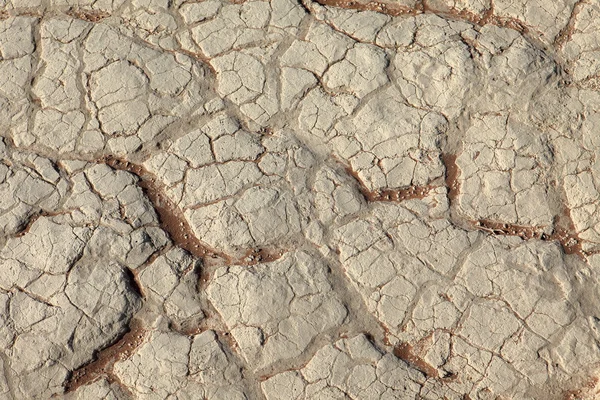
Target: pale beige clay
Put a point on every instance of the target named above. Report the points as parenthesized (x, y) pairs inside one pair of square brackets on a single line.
[(299, 199)]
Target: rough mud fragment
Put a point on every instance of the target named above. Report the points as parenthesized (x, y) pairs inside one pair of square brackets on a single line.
[(274, 310), (294, 199)]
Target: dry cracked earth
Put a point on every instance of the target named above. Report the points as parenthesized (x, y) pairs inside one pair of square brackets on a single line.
[(292, 199)]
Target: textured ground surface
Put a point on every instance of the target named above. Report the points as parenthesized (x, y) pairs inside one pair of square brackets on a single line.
[(284, 200)]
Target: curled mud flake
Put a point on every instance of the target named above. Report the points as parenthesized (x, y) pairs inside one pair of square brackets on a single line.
[(88, 15), (105, 359), (405, 352)]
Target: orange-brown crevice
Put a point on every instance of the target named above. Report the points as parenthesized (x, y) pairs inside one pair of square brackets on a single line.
[(566, 234), (390, 194), (500, 228), (171, 217), (567, 32), (409, 354), (589, 390), (259, 255), (423, 7), (406, 353), (562, 233), (87, 15), (451, 176), (24, 229), (106, 358), (384, 8), (175, 224)]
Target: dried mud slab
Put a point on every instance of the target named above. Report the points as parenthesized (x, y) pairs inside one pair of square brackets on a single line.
[(299, 200)]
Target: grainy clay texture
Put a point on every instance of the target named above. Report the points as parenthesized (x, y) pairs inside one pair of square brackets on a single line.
[(293, 199)]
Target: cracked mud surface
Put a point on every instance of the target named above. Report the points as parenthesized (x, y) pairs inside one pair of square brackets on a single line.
[(299, 200)]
